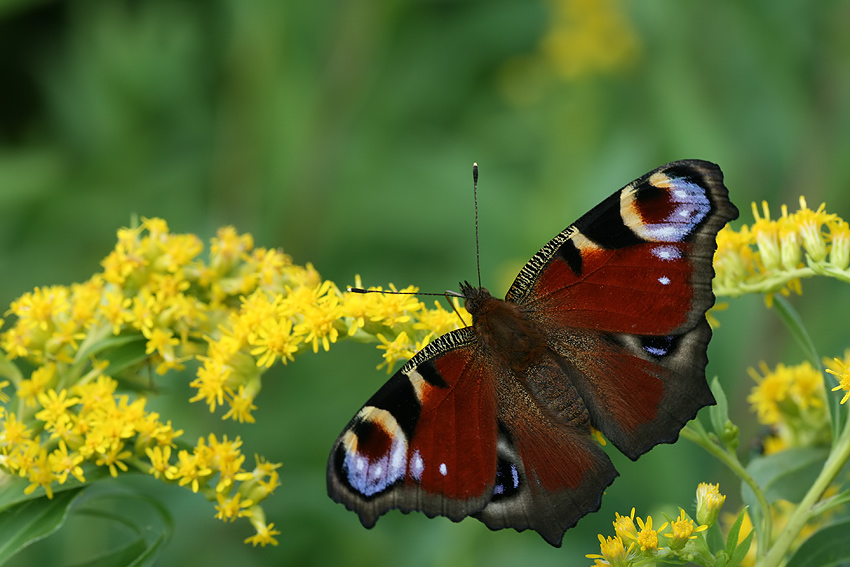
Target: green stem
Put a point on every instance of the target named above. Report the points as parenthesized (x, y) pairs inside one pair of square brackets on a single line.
[(731, 461), (808, 505)]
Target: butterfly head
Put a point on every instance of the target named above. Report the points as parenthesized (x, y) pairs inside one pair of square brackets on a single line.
[(474, 297)]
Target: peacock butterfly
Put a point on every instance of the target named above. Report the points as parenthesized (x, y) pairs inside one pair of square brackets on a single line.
[(604, 327)]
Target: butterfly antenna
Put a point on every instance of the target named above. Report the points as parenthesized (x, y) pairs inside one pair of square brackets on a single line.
[(475, 199), (391, 292)]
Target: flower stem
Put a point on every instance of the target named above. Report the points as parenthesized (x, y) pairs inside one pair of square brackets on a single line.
[(731, 461), (803, 513)]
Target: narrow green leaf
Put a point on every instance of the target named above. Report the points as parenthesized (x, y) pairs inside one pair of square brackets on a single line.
[(741, 550), (752, 505), (33, 520), (719, 413), (99, 344), (794, 323), (732, 538), (126, 355), (828, 547), (9, 369)]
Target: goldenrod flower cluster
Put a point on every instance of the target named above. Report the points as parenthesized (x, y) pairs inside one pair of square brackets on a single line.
[(639, 544), (773, 255), (79, 360), (791, 400)]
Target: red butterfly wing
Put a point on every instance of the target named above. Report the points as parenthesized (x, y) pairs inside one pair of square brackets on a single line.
[(425, 441), (622, 295), (453, 433)]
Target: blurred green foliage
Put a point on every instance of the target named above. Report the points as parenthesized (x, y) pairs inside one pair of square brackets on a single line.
[(344, 132)]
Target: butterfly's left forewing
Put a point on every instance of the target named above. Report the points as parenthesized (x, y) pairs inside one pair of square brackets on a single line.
[(425, 441)]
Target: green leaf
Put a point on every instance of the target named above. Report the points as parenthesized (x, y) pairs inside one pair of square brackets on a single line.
[(741, 550), (786, 475), (123, 556), (147, 526), (126, 356), (149, 521), (719, 413), (33, 520), (95, 344), (732, 538), (827, 547), (792, 320), (12, 491), (794, 323), (9, 369)]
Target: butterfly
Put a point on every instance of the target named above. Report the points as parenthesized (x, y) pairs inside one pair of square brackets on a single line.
[(603, 328)]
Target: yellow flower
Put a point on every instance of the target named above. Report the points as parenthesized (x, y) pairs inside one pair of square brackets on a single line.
[(39, 307), (264, 536), (613, 551), (189, 470), (624, 526), (211, 382), (839, 238), (227, 247), (241, 406), (647, 539), (770, 390), (810, 226), (161, 341), (40, 474), (40, 379), (682, 530), (709, 502), (55, 407), (320, 317), (439, 321), (14, 432), (62, 464), (113, 458), (160, 461), (230, 508), (114, 309), (275, 339), (396, 308), (841, 370), (395, 350)]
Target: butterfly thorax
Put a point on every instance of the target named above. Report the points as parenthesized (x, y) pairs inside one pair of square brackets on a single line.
[(503, 328)]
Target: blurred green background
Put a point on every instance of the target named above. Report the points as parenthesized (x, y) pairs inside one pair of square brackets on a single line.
[(344, 132)]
